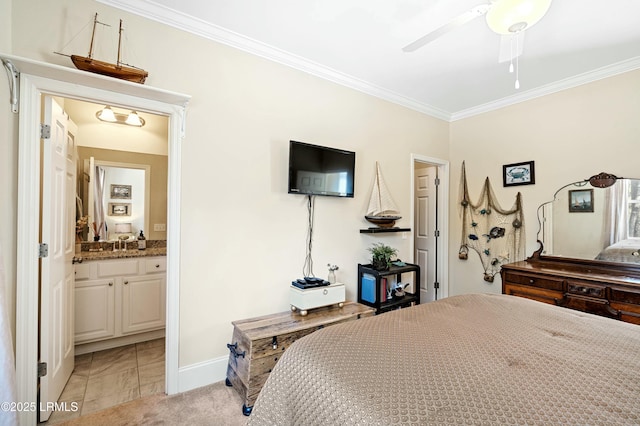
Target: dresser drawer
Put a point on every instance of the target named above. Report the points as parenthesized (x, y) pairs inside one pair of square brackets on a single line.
[(586, 289), (588, 304), (534, 281), (624, 295)]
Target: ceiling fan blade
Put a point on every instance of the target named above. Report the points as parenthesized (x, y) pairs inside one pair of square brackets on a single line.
[(451, 25)]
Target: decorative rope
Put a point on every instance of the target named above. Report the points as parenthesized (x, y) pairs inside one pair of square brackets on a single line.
[(495, 233)]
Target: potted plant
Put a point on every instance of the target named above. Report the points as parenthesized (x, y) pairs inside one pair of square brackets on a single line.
[(381, 256)]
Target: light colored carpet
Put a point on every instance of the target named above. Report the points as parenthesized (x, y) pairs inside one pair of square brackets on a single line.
[(215, 404)]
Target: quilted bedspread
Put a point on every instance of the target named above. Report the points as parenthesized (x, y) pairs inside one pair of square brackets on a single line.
[(470, 359)]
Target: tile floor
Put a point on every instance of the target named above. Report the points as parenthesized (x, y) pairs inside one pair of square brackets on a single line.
[(112, 377)]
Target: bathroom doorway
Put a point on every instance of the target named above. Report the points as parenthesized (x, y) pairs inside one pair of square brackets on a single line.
[(37, 79), (112, 371)]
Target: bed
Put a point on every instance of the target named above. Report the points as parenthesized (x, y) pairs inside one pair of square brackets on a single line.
[(627, 251), (469, 359)]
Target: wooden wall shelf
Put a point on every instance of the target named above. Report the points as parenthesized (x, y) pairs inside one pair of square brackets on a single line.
[(381, 230)]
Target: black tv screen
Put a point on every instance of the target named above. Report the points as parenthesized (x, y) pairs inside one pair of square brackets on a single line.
[(320, 170)]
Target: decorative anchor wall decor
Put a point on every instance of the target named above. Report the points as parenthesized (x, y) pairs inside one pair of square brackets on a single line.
[(496, 234)]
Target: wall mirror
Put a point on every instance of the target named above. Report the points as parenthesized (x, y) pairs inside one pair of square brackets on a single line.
[(134, 159), (597, 219), (117, 199)]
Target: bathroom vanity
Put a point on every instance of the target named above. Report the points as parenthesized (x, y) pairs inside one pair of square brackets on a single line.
[(119, 300)]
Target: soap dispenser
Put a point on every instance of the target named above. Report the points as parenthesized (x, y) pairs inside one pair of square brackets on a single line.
[(142, 242)]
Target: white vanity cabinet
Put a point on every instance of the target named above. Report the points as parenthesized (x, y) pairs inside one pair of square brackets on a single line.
[(119, 299)]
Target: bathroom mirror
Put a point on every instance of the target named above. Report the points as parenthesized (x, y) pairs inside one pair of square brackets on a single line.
[(597, 219), (117, 200)]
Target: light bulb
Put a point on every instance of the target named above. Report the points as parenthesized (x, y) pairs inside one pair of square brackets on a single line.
[(106, 114)]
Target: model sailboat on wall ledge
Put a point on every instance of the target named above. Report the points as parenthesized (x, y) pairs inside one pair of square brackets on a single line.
[(382, 210), (118, 70)]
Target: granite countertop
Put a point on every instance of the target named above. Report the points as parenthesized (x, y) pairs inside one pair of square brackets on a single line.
[(130, 253), (104, 250)]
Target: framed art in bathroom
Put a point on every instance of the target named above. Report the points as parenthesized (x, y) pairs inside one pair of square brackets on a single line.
[(119, 209), (122, 192)]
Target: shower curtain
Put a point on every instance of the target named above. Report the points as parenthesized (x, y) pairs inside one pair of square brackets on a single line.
[(99, 226)]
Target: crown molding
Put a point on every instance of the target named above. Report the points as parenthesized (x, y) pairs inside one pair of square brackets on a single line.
[(558, 86), (179, 20), (152, 10)]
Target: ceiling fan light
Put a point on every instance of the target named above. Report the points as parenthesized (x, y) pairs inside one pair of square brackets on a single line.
[(512, 16), (106, 114)]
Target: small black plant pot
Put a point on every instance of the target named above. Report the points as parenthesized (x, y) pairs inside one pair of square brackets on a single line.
[(380, 265)]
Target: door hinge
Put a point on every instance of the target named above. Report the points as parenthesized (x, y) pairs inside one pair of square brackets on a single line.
[(436, 233), (436, 284), (43, 250), (45, 131), (437, 181), (42, 369)]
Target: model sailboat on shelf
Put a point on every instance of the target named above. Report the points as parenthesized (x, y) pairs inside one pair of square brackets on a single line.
[(382, 210), (118, 70)]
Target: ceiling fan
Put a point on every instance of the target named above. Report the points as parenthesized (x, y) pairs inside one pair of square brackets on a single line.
[(504, 17)]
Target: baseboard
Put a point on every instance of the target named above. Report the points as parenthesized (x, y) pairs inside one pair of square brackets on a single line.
[(101, 345), (202, 374)]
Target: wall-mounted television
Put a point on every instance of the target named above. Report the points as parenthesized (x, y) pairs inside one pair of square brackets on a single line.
[(320, 170)]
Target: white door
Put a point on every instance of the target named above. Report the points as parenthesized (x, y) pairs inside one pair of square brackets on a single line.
[(425, 229), (57, 278)]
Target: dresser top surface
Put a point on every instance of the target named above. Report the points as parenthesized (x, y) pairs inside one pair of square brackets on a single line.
[(571, 271)]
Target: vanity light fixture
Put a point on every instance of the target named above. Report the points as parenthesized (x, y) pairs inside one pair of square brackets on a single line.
[(131, 119)]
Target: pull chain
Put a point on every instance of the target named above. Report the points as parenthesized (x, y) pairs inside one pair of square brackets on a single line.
[(511, 54), (517, 64)]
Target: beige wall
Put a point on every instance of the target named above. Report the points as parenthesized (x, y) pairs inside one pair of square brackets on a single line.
[(158, 171), (8, 173), (571, 135), (243, 236)]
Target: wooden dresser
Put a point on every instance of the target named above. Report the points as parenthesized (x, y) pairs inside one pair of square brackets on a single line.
[(258, 343), (600, 288)]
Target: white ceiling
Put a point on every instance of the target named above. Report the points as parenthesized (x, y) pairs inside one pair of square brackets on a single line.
[(359, 43)]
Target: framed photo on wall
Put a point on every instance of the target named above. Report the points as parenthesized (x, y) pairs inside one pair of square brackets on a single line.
[(518, 174), (119, 209), (122, 192), (581, 201)]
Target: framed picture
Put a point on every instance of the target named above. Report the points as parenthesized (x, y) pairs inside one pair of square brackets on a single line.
[(518, 174), (581, 201), (122, 192), (119, 209)]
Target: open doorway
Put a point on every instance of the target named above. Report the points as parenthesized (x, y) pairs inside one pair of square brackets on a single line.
[(430, 200), (36, 79), (118, 304)]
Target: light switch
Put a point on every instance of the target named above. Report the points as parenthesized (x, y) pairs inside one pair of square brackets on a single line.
[(160, 227)]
